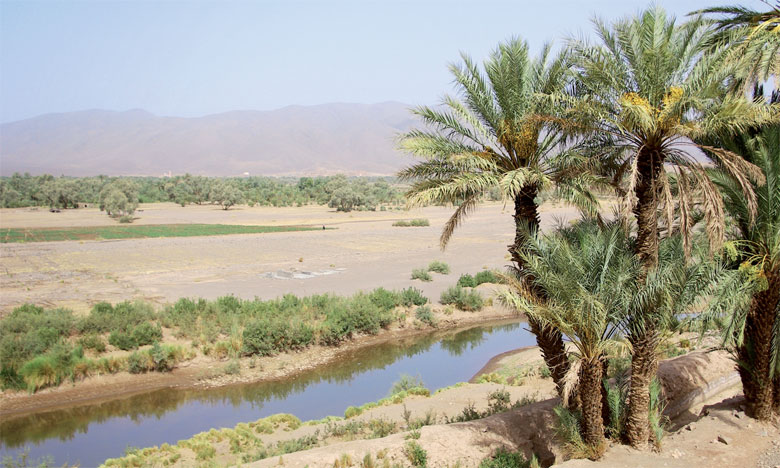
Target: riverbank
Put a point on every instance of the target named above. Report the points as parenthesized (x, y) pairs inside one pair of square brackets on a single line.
[(208, 372), (703, 407)]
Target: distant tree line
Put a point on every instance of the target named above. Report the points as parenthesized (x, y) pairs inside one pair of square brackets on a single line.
[(120, 196)]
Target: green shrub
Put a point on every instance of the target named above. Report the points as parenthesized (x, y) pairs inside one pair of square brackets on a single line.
[(94, 342), (268, 336), (439, 267), (421, 274), (345, 317), (10, 379), (416, 454), (452, 295), (506, 459), (499, 401), (424, 314), (351, 412), (384, 299), (657, 404), (467, 281), (485, 276), (462, 299), (412, 296), (139, 362), (122, 340), (146, 334), (29, 331), (162, 357), (381, 428), (123, 317), (568, 429), (469, 413)]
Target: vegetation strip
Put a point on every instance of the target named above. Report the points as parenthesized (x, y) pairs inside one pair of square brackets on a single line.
[(11, 235), (42, 348)]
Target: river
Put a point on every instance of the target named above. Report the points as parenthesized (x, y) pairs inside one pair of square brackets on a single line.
[(90, 434)]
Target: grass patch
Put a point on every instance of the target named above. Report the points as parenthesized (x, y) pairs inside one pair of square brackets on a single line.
[(421, 274), (506, 459), (439, 267), (463, 299), (485, 276), (424, 315), (418, 222), (499, 401), (11, 235)]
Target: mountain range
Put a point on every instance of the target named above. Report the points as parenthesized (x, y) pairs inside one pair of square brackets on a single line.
[(353, 139)]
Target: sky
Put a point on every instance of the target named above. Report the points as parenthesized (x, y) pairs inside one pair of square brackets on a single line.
[(193, 58)]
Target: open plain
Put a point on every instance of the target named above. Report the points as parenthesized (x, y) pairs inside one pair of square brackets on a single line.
[(362, 251)]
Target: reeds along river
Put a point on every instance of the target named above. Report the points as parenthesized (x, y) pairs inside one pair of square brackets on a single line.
[(90, 434)]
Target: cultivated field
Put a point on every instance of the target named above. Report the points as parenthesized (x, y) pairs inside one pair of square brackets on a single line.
[(363, 252)]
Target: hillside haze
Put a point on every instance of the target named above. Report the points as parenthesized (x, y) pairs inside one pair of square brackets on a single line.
[(355, 139)]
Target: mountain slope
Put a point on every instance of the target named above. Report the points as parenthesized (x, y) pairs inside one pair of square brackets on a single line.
[(295, 140)]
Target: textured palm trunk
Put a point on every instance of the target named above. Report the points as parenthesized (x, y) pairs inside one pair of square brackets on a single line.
[(643, 361), (605, 414), (590, 396), (550, 340), (776, 393), (649, 166), (756, 351), (644, 365)]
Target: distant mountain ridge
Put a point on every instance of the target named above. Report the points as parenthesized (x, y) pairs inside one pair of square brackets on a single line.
[(354, 139)]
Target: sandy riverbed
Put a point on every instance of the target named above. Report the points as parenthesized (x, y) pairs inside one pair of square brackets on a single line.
[(365, 250)]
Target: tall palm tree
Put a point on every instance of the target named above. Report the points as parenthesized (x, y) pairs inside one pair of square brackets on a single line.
[(754, 330), (645, 93), (586, 272), (491, 139)]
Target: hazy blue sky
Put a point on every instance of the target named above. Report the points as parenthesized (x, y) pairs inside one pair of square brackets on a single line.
[(190, 58)]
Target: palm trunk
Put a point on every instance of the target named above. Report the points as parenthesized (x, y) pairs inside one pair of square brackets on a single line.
[(754, 355), (644, 365), (649, 166), (605, 414), (776, 393), (590, 395), (644, 362), (549, 340)]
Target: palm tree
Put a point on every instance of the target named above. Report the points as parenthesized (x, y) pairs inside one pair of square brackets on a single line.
[(752, 39), (645, 93), (493, 140), (754, 330), (597, 289), (585, 271)]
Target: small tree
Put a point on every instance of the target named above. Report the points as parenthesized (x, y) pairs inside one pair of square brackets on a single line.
[(344, 199), (119, 198), (226, 195)]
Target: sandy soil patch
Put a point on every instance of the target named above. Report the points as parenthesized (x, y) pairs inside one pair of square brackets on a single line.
[(366, 249)]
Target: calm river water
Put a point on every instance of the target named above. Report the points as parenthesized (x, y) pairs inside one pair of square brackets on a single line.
[(90, 434)]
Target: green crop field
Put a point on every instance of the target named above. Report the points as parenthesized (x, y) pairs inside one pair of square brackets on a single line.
[(133, 232)]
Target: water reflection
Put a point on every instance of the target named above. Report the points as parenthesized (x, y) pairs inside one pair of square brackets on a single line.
[(90, 434)]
